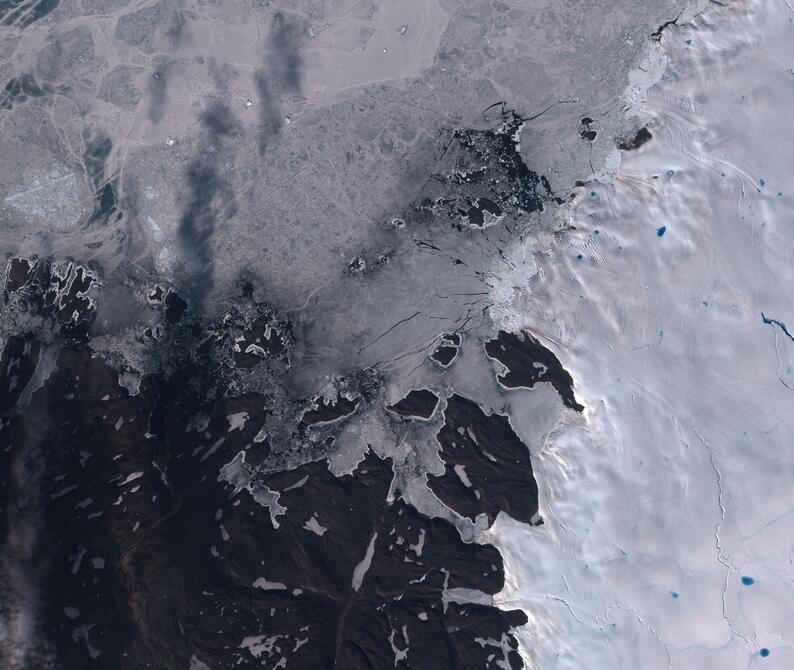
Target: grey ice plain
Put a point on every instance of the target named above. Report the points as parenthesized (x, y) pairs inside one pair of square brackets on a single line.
[(280, 142)]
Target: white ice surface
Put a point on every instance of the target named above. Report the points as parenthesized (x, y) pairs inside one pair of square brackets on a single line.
[(265, 585), (360, 570), (678, 479), (237, 421), (315, 526), (196, 664)]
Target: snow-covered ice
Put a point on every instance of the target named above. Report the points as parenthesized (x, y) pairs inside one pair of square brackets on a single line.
[(669, 534)]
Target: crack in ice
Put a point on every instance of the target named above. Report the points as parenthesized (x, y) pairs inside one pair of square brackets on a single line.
[(717, 540), (779, 324)]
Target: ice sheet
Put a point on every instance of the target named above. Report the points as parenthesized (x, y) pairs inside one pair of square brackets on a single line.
[(669, 534)]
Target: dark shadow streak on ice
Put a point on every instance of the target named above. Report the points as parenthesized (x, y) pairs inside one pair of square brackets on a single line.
[(779, 324)]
